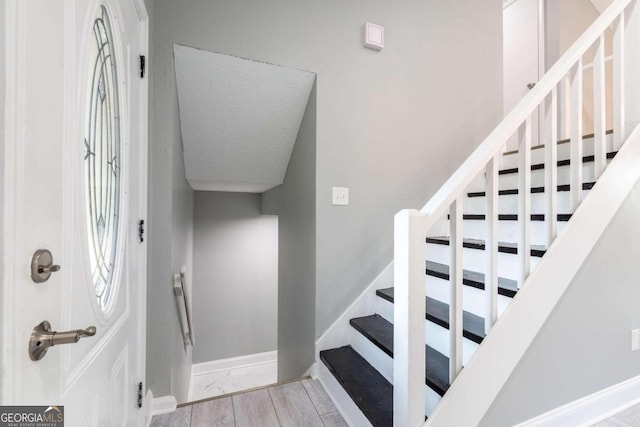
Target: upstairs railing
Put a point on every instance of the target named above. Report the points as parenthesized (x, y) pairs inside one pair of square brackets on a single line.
[(412, 226)]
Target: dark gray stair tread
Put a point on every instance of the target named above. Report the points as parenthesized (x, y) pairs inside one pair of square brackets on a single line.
[(506, 287), (511, 217), (566, 162), (505, 247), (438, 313), (380, 332), (534, 190), (368, 389)]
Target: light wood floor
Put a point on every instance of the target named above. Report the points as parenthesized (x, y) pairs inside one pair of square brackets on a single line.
[(296, 404)]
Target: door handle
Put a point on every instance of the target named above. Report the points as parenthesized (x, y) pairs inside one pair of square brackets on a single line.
[(42, 337)]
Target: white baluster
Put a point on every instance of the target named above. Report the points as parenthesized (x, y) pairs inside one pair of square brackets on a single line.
[(491, 248), (618, 82), (599, 109), (576, 135), (551, 170), (408, 318), (524, 199), (455, 303)]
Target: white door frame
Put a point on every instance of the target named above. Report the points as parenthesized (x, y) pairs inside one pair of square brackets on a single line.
[(541, 53), (541, 33)]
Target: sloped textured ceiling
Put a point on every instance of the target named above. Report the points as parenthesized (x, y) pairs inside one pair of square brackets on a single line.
[(239, 119)]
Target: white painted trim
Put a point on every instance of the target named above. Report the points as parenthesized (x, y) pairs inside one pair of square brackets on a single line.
[(312, 371), (143, 167), (593, 408), (233, 363), (365, 304), (163, 405), (13, 144), (500, 352), (148, 407)]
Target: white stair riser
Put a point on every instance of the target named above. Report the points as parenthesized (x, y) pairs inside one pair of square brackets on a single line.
[(509, 231), (509, 265), (537, 177), (508, 204), (473, 299), (431, 400), (384, 308), (383, 363), (436, 336), (537, 155), (374, 355)]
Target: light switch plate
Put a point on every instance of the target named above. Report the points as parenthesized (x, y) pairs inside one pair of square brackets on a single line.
[(340, 196), (635, 339)]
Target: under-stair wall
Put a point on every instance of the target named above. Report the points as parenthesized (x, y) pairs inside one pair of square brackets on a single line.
[(295, 205), (585, 344)]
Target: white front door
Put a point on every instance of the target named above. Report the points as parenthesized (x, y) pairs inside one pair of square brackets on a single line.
[(74, 183), (521, 56)]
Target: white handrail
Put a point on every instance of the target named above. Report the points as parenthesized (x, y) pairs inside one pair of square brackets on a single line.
[(411, 227)]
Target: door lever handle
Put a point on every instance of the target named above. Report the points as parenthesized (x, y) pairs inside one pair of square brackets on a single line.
[(42, 337)]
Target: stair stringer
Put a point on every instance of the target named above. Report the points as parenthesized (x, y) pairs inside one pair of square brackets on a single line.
[(490, 367)]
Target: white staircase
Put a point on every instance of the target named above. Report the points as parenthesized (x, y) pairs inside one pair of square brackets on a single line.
[(502, 226)]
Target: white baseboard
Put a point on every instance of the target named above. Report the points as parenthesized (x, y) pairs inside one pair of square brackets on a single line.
[(163, 405), (338, 333), (204, 368), (233, 362), (593, 408), (312, 371)]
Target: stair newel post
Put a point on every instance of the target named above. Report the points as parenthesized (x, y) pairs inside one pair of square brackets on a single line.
[(455, 289), (409, 318), (491, 248), (619, 81), (576, 135), (551, 169), (599, 109), (524, 198)]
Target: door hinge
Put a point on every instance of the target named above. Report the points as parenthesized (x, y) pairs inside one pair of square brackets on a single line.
[(141, 230), (140, 394), (142, 66)]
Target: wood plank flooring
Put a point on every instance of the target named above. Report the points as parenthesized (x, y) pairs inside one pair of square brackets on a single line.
[(296, 404)]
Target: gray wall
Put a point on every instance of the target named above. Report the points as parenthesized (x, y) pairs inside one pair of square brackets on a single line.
[(585, 344), (295, 203), (170, 224), (235, 276), (391, 125)]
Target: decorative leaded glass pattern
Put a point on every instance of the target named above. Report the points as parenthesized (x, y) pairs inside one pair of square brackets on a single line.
[(102, 159)]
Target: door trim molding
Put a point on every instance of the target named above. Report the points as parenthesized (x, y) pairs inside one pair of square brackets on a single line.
[(12, 186)]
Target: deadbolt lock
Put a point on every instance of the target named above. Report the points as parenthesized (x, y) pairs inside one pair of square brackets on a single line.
[(42, 266)]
